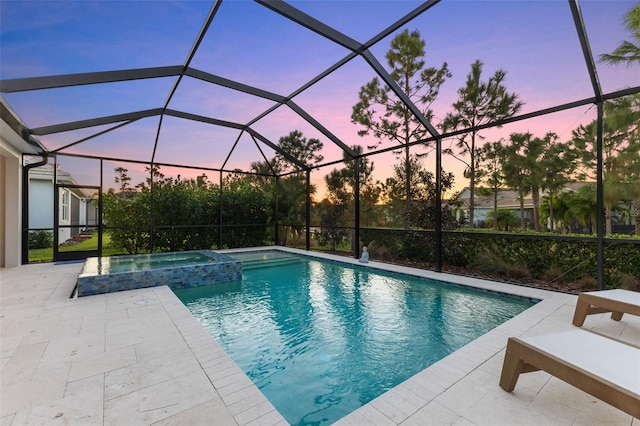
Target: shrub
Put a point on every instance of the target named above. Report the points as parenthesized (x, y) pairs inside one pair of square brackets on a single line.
[(554, 275), (629, 282), (490, 262), (486, 261), (517, 271), (40, 239), (378, 251), (585, 283)]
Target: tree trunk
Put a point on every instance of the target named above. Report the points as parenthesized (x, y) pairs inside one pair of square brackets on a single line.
[(608, 213), (495, 209), (635, 208), (407, 186), (472, 181), (535, 197), (551, 223), (523, 226)]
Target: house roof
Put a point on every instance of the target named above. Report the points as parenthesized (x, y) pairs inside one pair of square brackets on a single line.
[(507, 198)]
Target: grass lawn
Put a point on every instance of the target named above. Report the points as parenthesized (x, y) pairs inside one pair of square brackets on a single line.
[(46, 254)]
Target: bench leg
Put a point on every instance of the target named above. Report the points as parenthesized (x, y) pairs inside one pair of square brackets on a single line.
[(511, 369), (617, 316), (582, 309)]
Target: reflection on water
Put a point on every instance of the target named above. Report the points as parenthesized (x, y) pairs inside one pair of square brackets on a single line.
[(140, 262), (321, 339)]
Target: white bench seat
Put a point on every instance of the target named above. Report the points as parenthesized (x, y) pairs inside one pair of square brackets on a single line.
[(605, 368)]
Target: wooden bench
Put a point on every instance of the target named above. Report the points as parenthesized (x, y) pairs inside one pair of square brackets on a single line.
[(617, 301), (602, 367)]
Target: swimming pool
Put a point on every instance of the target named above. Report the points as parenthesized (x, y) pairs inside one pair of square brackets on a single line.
[(323, 338)]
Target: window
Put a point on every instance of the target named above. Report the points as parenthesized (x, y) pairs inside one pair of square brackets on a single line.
[(65, 205)]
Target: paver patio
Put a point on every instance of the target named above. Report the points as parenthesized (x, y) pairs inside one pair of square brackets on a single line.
[(139, 357)]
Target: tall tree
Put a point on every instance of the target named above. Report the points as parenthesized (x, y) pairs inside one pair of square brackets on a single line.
[(421, 213), (479, 103), (628, 52), (583, 206), (341, 186), (490, 170), (514, 167), (299, 147), (621, 140), (558, 164), (394, 122), (534, 165), (369, 189), (291, 189)]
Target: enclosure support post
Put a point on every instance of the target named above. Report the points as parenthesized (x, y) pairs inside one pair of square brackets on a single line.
[(25, 205), (597, 91), (56, 207), (276, 232), (308, 212), (356, 209), (151, 205), (99, 218), (220, 214), (600, 219), (438, 242)]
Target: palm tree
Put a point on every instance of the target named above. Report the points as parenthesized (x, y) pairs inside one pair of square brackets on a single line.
[(583, 206), (628, 52), (292, 196), (514, 167), (621, 142), (491, 171)]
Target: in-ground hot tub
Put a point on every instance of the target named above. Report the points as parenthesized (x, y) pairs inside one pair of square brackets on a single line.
[(175, 269)]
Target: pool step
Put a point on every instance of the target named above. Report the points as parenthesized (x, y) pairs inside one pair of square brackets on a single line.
[(266, 263)]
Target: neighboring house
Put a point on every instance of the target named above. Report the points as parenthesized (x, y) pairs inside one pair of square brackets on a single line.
[(510, 200), (483, 204), (75, 206)]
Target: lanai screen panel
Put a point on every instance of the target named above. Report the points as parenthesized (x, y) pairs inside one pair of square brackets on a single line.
[(250, 44), (535, 43), (132, 141), (281, 122), (331, 101), (41, 108), (211, 100), (359, 20), (248, 151), (43, 38), (186, 142), (605, 25)]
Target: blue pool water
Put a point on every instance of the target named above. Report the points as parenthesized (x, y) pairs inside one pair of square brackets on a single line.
[(321, 338), (141, 262)]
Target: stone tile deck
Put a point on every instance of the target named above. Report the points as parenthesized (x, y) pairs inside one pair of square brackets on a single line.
[(139, 358)]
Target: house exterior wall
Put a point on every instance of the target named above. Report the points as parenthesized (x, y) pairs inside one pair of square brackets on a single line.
[(10, 209), (3, 210)]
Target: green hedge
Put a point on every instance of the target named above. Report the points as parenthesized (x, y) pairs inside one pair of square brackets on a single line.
[(571, 258)]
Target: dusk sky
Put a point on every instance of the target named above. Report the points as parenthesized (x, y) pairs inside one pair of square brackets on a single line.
[(534, 41)]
